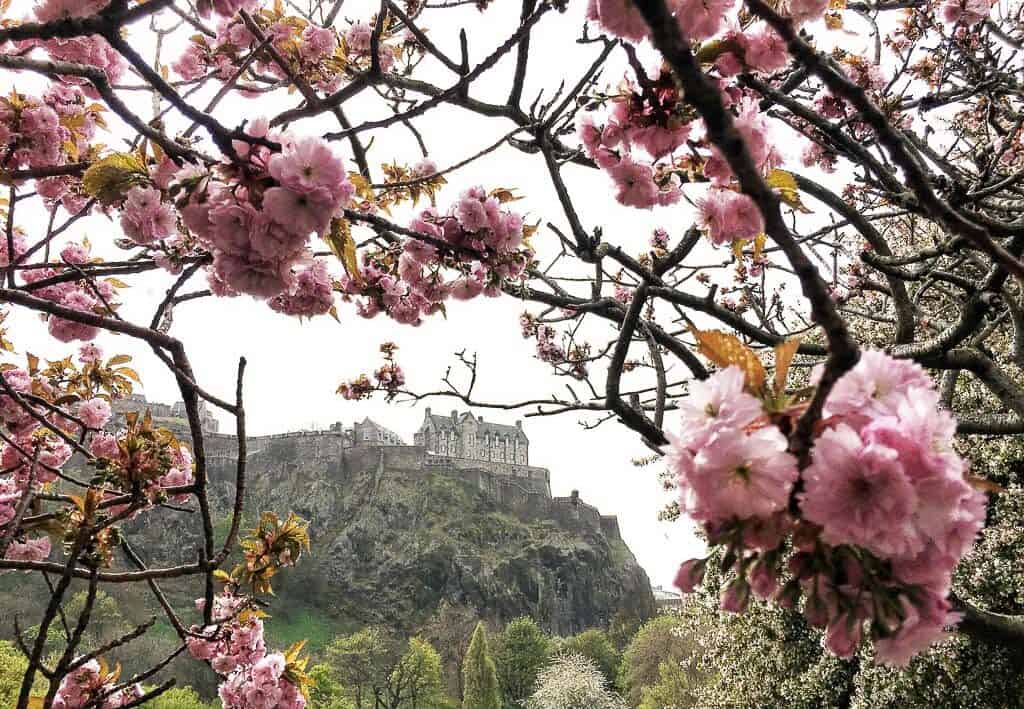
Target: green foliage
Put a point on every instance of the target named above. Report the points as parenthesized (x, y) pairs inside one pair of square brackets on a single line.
[(520, 652), (374, 669), (479, 676), (362, 663), (596, 646), (12, 666), (325, 692), (180, 698), (106, 622), (415, 683), (671, 691), (661, 640)]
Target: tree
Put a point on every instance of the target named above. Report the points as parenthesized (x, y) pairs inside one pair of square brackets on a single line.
[(596, 646), (480, 678), (325, 692), (904, 210), (663, 640), (362, 664), (415, 682), (672, 690), (573, 682), (520, 651)]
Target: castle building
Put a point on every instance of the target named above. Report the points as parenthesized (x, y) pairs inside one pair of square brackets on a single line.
[(171, 416), (492, 457), (467, 436), (368, 433)]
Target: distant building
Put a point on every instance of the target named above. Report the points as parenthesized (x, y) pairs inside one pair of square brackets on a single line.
[(368, 433), (467, 436), (667, 600), (171, 416)]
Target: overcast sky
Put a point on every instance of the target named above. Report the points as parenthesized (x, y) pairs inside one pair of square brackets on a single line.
[(295, 367)]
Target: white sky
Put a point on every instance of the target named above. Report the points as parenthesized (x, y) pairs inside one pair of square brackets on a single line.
[(295, 367)]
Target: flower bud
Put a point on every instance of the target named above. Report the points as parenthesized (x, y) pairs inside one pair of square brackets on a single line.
[(816, 611), (736, 596), (763, 580), (843, 635), (690, 575)]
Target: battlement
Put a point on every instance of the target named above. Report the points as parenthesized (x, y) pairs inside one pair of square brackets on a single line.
[(491, 457)]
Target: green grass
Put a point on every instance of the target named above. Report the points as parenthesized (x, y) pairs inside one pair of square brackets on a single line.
[(307, 624)]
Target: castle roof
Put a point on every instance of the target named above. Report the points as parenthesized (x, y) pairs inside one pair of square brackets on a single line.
[(483, 426)]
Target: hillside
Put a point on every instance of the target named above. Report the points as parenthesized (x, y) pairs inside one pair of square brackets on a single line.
[(401, 538)]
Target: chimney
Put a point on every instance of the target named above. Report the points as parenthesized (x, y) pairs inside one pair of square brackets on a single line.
[(519, 424), (480, 419), (455, 416)]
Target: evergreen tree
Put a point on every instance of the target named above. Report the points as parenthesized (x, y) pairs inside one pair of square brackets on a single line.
[(521, 651), (479, 676)]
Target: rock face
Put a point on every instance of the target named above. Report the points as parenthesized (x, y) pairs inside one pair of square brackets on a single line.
[(402, 533), (398, 535)]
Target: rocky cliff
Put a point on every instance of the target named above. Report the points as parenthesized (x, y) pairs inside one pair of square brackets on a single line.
[(399, 535)]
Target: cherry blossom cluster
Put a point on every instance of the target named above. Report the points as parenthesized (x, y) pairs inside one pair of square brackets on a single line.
[(235, 639), (90, 686), (256, 217), (91, 295), (90, 50), (473, 249), (319, 55), (882, 514), (650, 141), (388, 378), (263, 685), (140, 457), (236, 649), (311, 295), (571, 360), (42, 410), (51, 130)]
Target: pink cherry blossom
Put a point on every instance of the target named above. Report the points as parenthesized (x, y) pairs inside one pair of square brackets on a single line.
[(765, 51), (967, 12), (701, 19), (619, 17), (923, 624), (634, 182), (859, 493), (843, 634), (95, 413), (802, 11), (690, 575), (311, 295), (51, 10), (145, 217), (104, 445), (716, 404), (726, 216), (36, 549), (68, 330), (875, 386)]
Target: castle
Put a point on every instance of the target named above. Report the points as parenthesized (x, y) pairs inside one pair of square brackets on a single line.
[(492, 457), (469, 436)]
